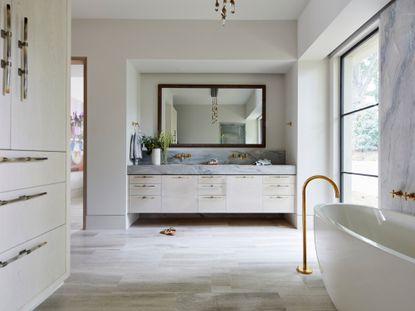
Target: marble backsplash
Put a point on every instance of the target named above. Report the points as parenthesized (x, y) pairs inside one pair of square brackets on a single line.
[(397, 105), (224, 156)]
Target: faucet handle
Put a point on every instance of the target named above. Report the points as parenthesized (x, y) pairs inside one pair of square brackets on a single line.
[(398, 194), (410, 196)]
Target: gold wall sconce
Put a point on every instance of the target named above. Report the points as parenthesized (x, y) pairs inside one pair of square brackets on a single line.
[(304, 268)]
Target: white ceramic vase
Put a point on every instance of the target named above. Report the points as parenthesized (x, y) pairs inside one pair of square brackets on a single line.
[(156, 156)]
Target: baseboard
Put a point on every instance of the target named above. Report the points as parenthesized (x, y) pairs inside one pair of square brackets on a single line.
[(39, 299), (106, 222)]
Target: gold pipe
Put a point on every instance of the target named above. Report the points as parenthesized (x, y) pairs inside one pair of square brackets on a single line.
[(304, 268)]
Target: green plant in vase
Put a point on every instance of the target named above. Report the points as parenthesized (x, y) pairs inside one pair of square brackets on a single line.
[(165, 139), (151, 143)]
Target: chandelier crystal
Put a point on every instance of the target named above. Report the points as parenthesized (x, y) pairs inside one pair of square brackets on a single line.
[(224, 11)]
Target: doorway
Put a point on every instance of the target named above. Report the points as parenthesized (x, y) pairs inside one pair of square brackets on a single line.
[(78, 143)]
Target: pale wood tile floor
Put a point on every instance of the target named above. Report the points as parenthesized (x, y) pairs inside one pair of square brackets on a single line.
[(209, 265)]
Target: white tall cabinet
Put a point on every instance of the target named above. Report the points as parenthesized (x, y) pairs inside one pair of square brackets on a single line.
[(34, 170)]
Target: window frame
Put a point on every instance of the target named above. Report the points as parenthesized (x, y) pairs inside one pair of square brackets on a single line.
[(343, 114)]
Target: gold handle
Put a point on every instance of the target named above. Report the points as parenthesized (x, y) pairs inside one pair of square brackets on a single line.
[(410, 196), (22, 159), (23, 71), (6, 63), (22, 198), (144, 186), (147, 198), (21, 254), (398, 194)]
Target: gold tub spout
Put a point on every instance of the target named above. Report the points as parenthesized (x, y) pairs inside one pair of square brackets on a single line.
[(304, 268)]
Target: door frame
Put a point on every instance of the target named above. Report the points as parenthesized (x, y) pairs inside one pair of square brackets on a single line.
[(82, 60)]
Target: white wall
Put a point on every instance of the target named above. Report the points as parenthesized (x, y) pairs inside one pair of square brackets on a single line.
[(313, 147), (291, 93), (324, 25), (275, 97), (108, 44)]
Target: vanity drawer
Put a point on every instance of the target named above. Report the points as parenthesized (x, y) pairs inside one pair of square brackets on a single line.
[(212, 179), (145, 189), (278, 179), (28, 276), (179, 185), (144, 179), (278, 189), (278, 204), (179, 204), (26, 217), (22, 169), (212, 204), (144, 204), (212, 189)]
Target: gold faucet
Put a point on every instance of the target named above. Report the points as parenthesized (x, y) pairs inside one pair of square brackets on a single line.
[(304, 268), (182, 156)]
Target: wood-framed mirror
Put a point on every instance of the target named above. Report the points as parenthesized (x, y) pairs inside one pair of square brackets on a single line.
[(213, 115)]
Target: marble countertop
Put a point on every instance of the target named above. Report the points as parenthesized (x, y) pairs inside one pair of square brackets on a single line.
[(228, 169)]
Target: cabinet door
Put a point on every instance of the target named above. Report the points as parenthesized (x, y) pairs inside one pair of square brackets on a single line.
[(39, 121), (5, 99), (243, 194)]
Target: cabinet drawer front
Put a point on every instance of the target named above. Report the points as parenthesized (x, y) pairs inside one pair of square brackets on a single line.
[(43, 168), (144, 204), (212, 189), (211, 179), (278, 204), (179, 204), (28, 276), (179, 185), (279, 189), (212, 204), (32, 217), (143, 179), (145, 189), (279, 179)]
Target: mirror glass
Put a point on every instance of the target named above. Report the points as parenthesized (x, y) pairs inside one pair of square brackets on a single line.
[(213, 115)]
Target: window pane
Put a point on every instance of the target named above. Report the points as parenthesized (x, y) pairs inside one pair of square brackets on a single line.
[(360, 190), (361, 141), (361, 76)]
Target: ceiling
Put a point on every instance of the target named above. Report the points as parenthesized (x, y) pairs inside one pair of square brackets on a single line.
[(186, 9)]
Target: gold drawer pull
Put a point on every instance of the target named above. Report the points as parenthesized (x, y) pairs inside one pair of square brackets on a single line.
[(180, 177), (22, 159), (21, 254), (144, 186), (147, 198), (22, 198), (279, 186), (212, 197)]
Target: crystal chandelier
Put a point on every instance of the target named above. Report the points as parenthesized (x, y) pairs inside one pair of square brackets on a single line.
[(224, 11), (215, 106)]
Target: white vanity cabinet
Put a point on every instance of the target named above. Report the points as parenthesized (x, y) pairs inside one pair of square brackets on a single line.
[(179, 194), (34, 109), (211, 193), (244, 193)]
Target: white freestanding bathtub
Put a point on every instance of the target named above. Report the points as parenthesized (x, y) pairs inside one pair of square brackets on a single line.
[(366, 257)]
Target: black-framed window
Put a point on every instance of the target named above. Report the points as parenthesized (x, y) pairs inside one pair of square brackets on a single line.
[(359, 122)]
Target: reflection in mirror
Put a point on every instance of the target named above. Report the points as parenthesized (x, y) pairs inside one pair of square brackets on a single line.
[(213, 114)]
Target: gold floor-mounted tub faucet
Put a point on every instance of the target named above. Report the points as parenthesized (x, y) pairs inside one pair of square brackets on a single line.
[(304, 268)]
